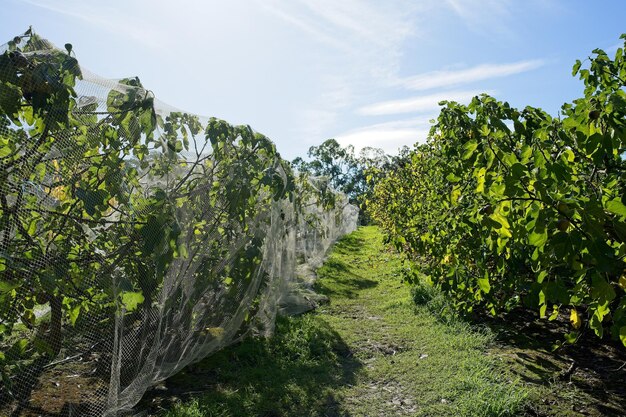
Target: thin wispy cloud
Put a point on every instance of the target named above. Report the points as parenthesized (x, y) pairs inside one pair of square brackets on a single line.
[(365, 39), (304, 25), (303, 71), (367, 21), (453, 78), (484, 15), (345, 22), (110, 21), (474, 10), (613, 48), (387, 136), (421, 104)]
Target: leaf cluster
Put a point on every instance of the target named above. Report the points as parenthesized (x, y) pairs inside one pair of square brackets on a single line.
[(110, 208), (505, 208)]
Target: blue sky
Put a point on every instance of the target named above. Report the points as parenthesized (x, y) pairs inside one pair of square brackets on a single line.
[(367, 72)]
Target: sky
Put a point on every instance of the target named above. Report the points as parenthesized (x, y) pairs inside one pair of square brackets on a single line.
[(365, 72)]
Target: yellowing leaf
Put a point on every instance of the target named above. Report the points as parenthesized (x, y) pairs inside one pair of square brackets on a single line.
[(455, 195), (58, 193), (574, 319), (217, 332), (480, 180), (505, 230)]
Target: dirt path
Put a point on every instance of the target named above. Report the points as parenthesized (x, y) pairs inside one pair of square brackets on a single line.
[(372, 351), (412, 363), (368, 352)]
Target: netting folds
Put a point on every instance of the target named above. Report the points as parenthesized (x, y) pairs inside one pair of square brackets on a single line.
[(136, 239)]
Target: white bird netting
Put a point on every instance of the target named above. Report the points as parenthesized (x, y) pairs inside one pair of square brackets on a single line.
[(135, 238)]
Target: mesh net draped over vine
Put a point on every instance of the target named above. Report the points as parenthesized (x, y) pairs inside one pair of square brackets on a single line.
[(135, 238)]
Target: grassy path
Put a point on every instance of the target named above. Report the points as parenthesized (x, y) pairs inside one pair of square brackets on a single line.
[(369, 352)]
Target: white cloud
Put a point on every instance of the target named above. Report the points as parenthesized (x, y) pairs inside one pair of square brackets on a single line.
[(613, 48), (313, 124), (356, 48), (421, 104), (349, 22), (388, 136), (304, 25), (452, 78), (367, 21), (108, 19), (484, 15)]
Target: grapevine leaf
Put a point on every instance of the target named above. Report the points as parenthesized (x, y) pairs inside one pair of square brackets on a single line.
[(469, 148), (6, 286), (617, 207), (538, 238), (73, 314), (576, 67), (131, 300), (574, 319)]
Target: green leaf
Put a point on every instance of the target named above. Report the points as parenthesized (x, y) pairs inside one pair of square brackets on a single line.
[(505, 229), (601, 290), (455, 194), (538, 238), (483, 284), (5, 151), (91, 199), (18, 349), (542, 275), (469, 148), (571, 337), (596, 325), (74, 313), (555, 314), (622, 335), (131, 300), (8, 286), (616, 206), (526, 153), (452, 178)]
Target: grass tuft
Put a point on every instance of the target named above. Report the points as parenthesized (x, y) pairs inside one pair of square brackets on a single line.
[(372, 351)]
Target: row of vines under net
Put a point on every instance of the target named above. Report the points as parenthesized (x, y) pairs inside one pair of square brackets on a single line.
[(135, 238)]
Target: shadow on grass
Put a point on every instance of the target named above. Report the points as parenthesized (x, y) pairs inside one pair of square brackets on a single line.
[(293, 373), (349, 244), (593, 385), (336, 277), (340, 280), (598, 370)]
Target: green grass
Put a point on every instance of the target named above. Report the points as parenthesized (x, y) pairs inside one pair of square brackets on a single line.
[(370, 352), (289, 374)]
